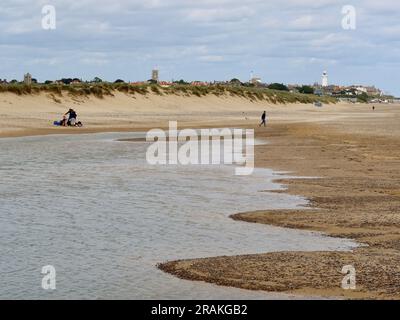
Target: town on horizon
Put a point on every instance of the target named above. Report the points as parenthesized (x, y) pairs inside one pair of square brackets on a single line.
[(352, 93)]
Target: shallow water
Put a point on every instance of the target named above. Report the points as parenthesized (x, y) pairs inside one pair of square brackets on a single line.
[(91, 207)]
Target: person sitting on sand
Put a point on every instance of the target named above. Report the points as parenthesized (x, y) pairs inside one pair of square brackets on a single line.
[(264, 119), (72, 117), (64, 121)]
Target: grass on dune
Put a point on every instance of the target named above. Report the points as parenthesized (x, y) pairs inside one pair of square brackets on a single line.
[(101, 90)]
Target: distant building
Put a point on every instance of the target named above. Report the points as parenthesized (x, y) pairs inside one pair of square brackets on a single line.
[(220, 83), (293, 88), (318, 92), (165, 84), (358, 90), (76, 81), (344, 91), (256, 81), (28, 79), (155, 75), (350, 100), (199, 83), (370, 90), (325, 82)]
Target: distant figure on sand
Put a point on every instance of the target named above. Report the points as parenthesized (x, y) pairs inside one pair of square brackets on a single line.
[(264, 119), (373, 108), (70, 121), (72, 117), (64, 121)]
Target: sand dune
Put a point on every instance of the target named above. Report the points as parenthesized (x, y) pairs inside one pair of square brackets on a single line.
[(34, 114)]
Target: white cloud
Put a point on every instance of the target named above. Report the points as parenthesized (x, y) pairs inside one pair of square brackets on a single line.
[(211, 58), (218, 14), (194, 39), (303, 22)]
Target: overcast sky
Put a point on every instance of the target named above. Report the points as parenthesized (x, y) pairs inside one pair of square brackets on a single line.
[(289, 41)]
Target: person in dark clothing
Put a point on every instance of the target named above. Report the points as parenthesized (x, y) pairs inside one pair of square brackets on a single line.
[(264, 119), (71, 117)]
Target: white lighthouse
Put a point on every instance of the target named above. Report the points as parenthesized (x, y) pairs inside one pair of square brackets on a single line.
[(325, 81)]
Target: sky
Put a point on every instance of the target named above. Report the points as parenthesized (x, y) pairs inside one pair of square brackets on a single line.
[(286, 41)]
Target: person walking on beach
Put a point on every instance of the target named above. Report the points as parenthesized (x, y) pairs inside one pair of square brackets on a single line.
[(264, 119)]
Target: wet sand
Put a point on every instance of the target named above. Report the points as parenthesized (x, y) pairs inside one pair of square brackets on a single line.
[(356, 195)]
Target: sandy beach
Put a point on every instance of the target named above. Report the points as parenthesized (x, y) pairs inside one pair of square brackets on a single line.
[(356, 157), (34, 114), (353, 151)]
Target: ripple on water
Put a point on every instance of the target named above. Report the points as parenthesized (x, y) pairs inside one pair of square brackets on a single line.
[(94, 209)]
